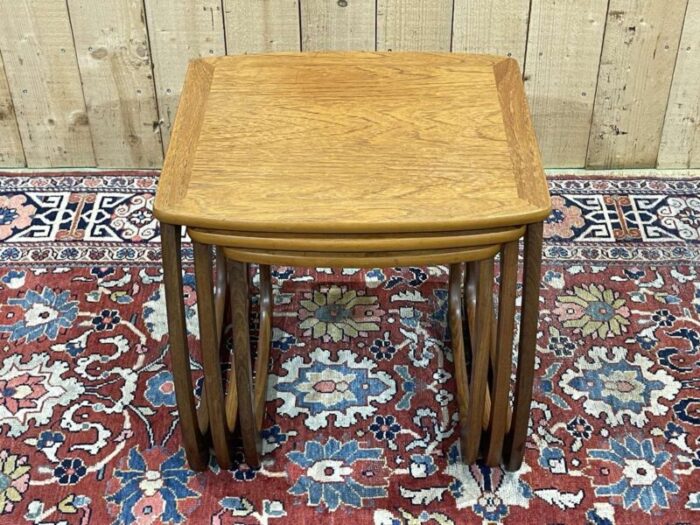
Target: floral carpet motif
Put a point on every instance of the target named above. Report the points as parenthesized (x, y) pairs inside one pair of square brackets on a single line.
[(360, 423)]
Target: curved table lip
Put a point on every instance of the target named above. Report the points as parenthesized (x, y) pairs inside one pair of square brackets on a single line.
[(355, 242), (351, 227), (384, 259)]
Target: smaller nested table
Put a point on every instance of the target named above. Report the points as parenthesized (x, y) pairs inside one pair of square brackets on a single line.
[(361, 160)]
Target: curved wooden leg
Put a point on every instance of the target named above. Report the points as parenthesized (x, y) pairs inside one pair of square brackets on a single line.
[(470, 282), (231, 403), (480, 358), (238, 283), (264, 341), (195, 443), (456, 321), (203, 415), (503, 336), (210, 341), (219, 305), (515, 443), (220, 290)]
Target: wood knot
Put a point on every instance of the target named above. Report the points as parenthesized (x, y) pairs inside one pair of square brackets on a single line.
[(79, 118), (99, 53)]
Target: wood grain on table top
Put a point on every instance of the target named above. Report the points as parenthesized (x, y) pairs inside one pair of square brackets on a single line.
[(353, 143)]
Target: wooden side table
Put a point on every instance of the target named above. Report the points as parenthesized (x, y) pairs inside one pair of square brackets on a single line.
[(362, 160)]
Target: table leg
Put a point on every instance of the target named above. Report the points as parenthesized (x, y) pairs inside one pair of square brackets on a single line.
[(456, 322), (503, 336), (470, 281), (480, 358), (195, 443), (264, 341), (515, 443), (238, 283), (210, 342), (221, 289)]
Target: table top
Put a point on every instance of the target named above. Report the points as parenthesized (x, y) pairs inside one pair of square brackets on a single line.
[(352, 143)]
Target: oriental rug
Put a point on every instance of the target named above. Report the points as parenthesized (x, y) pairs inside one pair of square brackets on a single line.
[(360, 423)]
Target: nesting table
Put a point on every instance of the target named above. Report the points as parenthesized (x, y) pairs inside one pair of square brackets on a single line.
[(361, 160)]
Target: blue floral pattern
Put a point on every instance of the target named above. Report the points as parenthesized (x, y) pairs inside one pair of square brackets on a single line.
[(385, 428), (346, 388), (49, 439), (383, 348), (490, 493), (167, 481), (45, 314), (106, 320), (330, 474), (69, 471), (160, 389), (641, 482), (408, 385), (619, 388)]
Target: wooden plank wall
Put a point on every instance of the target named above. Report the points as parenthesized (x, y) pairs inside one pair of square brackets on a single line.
[(611, 83), (11, 152), (680, 141), (561, 72), (41, 69), (111, 43), (636, 70), (414, 25), (178, 33), (479, 28), (343, 25)]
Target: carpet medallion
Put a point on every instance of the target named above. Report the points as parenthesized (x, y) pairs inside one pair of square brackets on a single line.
[(360, 423)]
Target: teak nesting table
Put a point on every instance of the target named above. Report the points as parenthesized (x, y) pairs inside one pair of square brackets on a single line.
[(361, 160)]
